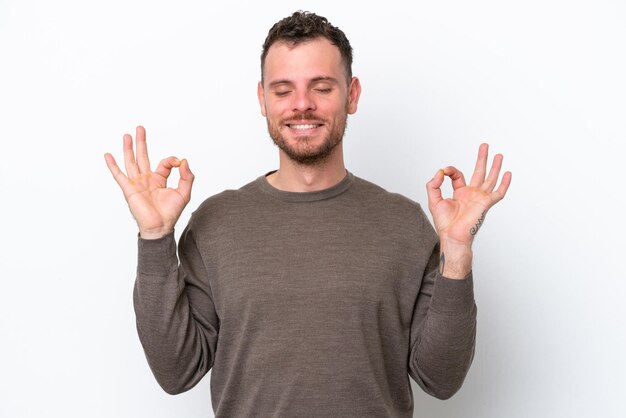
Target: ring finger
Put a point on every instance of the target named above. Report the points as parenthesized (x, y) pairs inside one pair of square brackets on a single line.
[(492, 178), (129, 157)]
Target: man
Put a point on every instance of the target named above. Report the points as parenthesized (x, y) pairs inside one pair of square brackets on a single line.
[(309, 291)]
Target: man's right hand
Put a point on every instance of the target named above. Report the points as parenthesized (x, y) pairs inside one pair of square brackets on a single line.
[(156, 207)]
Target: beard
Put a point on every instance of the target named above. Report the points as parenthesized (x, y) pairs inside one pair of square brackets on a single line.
[(305, 152)]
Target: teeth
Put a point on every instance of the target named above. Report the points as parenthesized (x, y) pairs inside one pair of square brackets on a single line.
[(303, 126)]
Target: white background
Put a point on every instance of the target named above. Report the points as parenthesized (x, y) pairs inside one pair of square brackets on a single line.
[(542, 81)]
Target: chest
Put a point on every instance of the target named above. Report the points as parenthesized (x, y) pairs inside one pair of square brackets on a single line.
[(309, 272)]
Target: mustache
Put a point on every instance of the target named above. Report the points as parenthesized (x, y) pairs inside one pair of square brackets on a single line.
[(303, 116)]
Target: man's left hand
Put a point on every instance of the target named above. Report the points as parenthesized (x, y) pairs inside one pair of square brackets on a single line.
[(458, 219)]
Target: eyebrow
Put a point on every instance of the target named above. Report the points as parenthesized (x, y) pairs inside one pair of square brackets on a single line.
[(324, 78), (313, 80)]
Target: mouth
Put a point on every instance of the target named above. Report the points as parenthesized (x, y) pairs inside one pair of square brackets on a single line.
[(303, 126)]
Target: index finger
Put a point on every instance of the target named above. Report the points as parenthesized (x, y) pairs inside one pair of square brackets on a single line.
[(456, 176)]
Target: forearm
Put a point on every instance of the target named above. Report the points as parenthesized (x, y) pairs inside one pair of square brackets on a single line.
[(442, 355), (455, 259), (178, 354)]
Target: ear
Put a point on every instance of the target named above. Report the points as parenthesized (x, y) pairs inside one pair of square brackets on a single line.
[(260, 95), (354, 92)]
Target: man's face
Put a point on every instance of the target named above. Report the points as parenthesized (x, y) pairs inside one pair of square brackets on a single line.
[(306, 99)]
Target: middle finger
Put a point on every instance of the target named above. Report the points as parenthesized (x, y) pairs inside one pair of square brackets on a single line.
[(481, 166), (129, 157)]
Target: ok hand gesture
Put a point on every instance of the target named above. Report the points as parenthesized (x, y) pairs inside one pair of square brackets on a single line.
[(156, 207), (458, 219)]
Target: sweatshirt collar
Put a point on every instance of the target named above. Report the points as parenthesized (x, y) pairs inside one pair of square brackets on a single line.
[(323, 194)]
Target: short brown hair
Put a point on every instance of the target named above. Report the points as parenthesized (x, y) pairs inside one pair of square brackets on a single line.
[(305, 26)]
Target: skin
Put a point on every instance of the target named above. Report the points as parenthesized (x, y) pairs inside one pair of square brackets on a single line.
[(155, 207), (308, 80), (457, 218)]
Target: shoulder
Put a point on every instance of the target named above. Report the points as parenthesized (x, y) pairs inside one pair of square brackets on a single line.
[(389, 201), (394, 215), (226, 202)]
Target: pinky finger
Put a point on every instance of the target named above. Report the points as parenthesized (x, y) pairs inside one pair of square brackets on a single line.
[(504, 186)]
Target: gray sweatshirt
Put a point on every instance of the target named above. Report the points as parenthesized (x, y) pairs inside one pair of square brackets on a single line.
[(317, 304)]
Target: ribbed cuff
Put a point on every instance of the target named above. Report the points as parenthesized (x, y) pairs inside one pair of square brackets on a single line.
[(157, 256), (453, 297)]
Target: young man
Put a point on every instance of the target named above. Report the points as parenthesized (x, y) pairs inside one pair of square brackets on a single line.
[(309, 291)]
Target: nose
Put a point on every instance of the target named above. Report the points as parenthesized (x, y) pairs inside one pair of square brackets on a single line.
[(303, 101)]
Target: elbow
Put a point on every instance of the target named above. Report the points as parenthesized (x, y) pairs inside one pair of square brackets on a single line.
[(439, 385), (173, 390), (445, 392), (447, 386), (172, 386), (177, 368), (442, 389), (181, 375)]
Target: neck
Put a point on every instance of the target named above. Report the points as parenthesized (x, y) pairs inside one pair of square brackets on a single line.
[(294, 177)]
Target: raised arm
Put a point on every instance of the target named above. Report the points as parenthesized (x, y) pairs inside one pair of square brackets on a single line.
[(176, 319), (444, 322)]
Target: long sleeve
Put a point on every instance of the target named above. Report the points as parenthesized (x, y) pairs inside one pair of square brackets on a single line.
[(322, 300), (443, 332), (176, 319)]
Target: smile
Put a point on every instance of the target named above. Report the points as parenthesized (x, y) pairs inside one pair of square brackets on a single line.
[(303, 127)]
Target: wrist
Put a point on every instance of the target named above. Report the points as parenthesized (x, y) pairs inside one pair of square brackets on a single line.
[(456, 260), (154, 233)]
